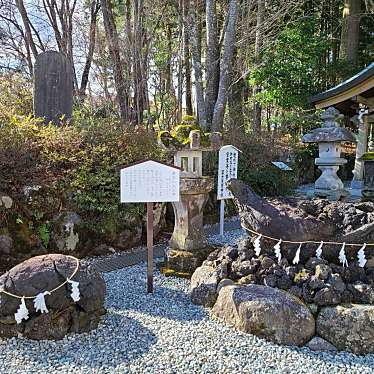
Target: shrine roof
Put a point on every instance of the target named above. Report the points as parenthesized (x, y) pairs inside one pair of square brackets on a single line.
[(347, 95)]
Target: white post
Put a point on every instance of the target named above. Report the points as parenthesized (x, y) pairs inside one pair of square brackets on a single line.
[(222, 217)]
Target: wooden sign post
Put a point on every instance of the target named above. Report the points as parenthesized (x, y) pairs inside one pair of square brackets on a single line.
[(149, 181), (227, 169)]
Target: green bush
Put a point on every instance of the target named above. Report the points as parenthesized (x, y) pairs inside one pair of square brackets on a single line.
[(269, 180), (15, 96), (73, 167), (255, 167)]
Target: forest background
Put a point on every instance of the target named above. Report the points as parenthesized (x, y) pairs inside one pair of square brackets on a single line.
[(241, 67)]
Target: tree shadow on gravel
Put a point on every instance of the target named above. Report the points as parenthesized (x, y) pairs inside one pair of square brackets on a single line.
[(118, 340), (337, 358), (165, 302)]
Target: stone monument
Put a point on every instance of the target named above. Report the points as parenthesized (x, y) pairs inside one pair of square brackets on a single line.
[(329, 138), (53, 87), (188, 244)]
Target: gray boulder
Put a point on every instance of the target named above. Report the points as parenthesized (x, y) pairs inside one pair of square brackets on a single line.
[(348, 327), (320, 345), (266, 312), (203, 287), (327, 296), (129, 237), (43, 273), (6, 245), (5, 201), (65, 235), (223, 283)]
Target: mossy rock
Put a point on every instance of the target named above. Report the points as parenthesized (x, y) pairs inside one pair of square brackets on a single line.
[(25, 239)]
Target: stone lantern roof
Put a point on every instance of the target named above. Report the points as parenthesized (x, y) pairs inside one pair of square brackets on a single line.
[(330, 130)]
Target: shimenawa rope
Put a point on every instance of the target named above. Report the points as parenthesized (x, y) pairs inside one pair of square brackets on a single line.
[(51, 291)]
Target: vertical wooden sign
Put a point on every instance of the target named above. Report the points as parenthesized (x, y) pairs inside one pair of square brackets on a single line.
[(148, 182), (227, 169)]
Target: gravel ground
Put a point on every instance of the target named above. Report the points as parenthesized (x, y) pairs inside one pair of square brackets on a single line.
[(166, 333)]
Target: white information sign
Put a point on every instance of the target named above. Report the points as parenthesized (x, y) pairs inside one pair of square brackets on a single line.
[(149, 181), (227, 169)]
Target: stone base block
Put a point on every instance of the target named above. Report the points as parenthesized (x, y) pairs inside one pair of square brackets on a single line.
[(332, 195), (185, 261)]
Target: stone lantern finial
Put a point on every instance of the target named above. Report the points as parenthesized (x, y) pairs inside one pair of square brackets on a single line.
[(195, 139), (330, 117)]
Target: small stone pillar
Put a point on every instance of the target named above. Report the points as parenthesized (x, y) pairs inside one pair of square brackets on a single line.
[(368, 186), (362, 146), (188, 244), (329, 138)]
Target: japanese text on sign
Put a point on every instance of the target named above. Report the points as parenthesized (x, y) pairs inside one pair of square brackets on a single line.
[(227, 169), (149, 181)]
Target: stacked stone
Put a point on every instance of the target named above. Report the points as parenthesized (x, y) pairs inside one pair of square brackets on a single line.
[(248, 292), (315, 281)]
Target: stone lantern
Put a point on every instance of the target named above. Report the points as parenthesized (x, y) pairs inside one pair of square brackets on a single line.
[(188, 246), (329, 138)]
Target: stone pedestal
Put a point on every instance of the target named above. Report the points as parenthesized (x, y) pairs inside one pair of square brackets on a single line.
[(329, 185), (188, 244)]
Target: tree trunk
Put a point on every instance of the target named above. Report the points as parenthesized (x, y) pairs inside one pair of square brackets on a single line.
[(228, 48), (235, 104), (112, 38), (26, 23), (350, 31), (235, 100), (186, 56), (195, 37), (95, 6), (212, 60), (180, 63), (137, 62), (257, 110)]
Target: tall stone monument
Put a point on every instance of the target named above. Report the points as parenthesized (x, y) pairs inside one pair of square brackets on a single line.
[(53, 87)]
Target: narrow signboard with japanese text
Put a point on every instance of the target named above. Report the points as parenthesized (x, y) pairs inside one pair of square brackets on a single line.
[(227, 169)]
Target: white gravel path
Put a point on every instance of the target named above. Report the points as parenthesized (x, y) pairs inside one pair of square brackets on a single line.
[(165, 333)]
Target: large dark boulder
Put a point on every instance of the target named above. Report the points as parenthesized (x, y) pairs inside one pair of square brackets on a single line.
[(266, 312), (44, 273), (306, 220)]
